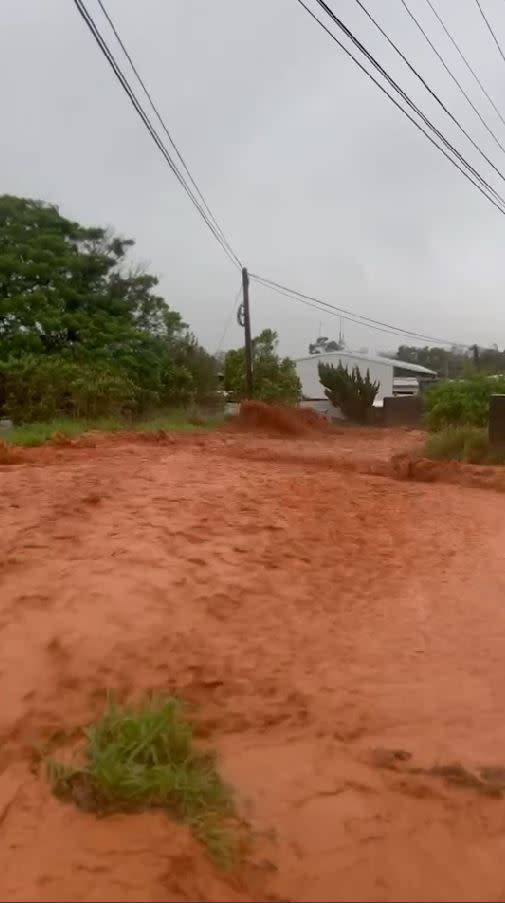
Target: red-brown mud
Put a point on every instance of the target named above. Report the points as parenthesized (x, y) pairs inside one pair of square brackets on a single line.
[(318, 616), (277, 420), (412, 466)]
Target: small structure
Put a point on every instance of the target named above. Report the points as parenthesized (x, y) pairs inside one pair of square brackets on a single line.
[(394, 377), (496, 429)]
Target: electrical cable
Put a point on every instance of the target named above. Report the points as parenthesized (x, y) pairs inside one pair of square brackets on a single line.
[(361, 47), (463, 57), (363, 320), (160, 119), (451, 75), (402, 109), (340, 317), (491, 31), (329, 313), (428, 88), (83, 12), (312, 301)]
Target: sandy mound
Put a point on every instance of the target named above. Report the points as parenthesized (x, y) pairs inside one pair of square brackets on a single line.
[(277, 420)]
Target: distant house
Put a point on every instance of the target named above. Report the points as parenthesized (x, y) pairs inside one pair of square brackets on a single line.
[(394, 377)]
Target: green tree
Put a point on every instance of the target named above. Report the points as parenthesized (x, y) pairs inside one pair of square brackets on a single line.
[(443, 361), (323, 345), (275, 378), (440, 360), (348, 390), (455, 362), (70, 304), (64, 286)]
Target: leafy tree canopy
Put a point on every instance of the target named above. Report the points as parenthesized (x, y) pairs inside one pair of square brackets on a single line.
[(63, 287), (67, 294), (455, 362), (323, 344), (275, 378)]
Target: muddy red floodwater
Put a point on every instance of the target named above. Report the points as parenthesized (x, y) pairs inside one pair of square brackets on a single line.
[(319, 616)]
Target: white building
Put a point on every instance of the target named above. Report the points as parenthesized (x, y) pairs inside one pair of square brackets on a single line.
[(394, 377)]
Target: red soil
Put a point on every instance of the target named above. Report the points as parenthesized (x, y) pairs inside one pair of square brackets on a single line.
[(318, 616)]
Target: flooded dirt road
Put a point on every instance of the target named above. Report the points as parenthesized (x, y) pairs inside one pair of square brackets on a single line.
[(320, 618)]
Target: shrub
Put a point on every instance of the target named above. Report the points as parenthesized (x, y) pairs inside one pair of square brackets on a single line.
[(463, 443), (43, 388), (349, 391), (450, 443), (461, 402)]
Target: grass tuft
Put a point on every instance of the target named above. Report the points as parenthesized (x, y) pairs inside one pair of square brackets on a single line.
[(144, 757), (463, 443)]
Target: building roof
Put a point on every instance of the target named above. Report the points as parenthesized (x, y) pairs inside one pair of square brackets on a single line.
[(406, 365), (371, 359)]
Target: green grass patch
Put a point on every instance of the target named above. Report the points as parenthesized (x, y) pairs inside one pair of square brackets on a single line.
[(141, 757), (463, 443), (176, 421), (34, 434)]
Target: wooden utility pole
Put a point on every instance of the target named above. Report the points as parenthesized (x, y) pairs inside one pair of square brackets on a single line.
[(247, 334)]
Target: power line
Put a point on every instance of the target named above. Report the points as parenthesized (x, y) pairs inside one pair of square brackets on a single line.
[(315, 306), (405, 112), (160, 119), (490, 29), (451, 75), (428, 88), (406, 98), (330, 313), (363, 320), (83, 12), (463, 57), (204, 211)]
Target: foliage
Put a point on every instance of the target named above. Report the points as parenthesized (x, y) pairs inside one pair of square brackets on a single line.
[(82, 333), (463, 443), (460, 402), (323, 345), (349, 391), (456, 362), (144, 756), (444, 362), (41, 388), (275, 378)]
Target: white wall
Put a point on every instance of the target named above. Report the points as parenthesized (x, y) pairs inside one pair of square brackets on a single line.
[(309, 377)]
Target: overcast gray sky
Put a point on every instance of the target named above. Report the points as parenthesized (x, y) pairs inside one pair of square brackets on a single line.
[(318, 181)]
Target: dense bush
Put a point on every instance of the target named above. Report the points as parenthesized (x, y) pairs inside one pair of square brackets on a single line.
[(44, 388), (463, 443), (461, 402), (348, 390)]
